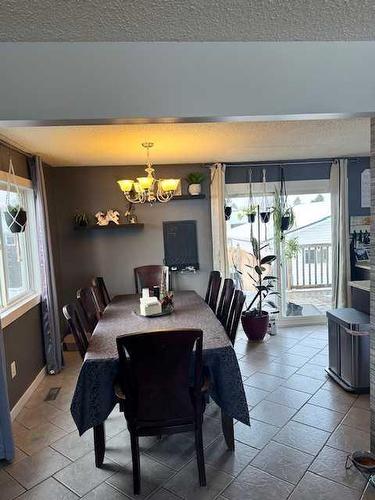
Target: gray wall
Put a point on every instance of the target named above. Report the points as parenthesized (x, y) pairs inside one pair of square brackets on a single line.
[(113, 254), (372, 294), (93, 81), (24, 345), (22, 338)]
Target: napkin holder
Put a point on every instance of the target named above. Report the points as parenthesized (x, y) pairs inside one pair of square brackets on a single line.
[(149, 306)]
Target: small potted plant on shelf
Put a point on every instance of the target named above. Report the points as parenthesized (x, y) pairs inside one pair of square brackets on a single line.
[(195, 180), (81, 220), (250, 212), (254, 319), (15, 218)]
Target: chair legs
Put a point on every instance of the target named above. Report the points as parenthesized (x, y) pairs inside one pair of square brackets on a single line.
[(134, 441), (200, 454)]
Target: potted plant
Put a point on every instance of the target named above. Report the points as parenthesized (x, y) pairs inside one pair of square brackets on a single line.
[(16, 218), (81, 219), (254, 319), (195, 180), (291, 251), (250, 213)]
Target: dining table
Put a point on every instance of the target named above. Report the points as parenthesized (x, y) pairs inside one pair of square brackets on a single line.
[(94, 396)]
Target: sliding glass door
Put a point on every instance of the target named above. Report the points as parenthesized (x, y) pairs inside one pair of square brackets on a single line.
[(304, 264)]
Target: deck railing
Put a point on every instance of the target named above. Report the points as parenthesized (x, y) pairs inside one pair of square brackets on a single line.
[(311, 268)]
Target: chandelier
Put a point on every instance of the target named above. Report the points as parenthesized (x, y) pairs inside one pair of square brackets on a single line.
[(148, 189)]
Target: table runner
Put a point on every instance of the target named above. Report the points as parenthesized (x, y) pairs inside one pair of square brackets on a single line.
[(94, 397)]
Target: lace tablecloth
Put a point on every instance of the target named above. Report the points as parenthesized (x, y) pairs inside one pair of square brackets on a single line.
[(94, 397)]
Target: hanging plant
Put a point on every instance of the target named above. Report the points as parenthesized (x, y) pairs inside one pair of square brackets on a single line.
[(265, 213), (283, 214), (249, 212), (15, 215)]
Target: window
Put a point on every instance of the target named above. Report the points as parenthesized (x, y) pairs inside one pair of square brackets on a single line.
[(19, 269)]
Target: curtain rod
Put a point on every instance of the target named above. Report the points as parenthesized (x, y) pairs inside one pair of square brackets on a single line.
[(284, 163)]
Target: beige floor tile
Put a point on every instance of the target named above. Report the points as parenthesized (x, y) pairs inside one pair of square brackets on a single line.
[(283, 462), (174, 451), (38, 467), (9, 487), (330, 463), (303, 437), (272, 413), (33, 417), (75, 446), (319, 417), (153, 475), (83, 476), (33, 440), (288, 397), (50, 489), (303, 383), (313, 487), (337, 401), (104, 492), (232, 462), (185, 484), (348, 439), (255, 484), (257, 435), (163, 494), (358, 418)]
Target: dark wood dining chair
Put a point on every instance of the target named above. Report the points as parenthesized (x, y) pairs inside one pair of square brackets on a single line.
[(89, 302), (235, 315), (159, 396), (213, 288), (225, 301), (76, 327), (150, 276), (102, 291)]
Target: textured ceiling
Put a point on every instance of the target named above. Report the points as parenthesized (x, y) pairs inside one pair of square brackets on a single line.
[(194, 20), (193, 143)]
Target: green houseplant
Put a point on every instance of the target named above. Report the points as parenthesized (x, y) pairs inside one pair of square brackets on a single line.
[(283, 215), (195, 179), (254, 319), (81, 220), (250, 212)]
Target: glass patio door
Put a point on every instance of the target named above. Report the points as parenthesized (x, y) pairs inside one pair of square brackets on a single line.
[(306, 257)]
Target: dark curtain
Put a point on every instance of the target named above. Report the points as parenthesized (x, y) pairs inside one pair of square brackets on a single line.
[(50, 313), (6, 438)]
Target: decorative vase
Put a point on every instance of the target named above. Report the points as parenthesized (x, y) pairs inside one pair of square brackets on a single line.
[(227, 212), (17, 222), (255, 327), (285, 222), (265, 216), (195, 189), (250, 218)]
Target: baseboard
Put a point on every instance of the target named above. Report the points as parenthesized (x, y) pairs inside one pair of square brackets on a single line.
[(27, 394)]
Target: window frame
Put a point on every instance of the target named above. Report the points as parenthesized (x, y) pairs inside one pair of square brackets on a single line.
[(13, 308)]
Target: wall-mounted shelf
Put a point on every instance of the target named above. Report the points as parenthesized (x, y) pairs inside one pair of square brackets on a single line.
[(189, 197), (363, 265), (138, 225), (361, 285)]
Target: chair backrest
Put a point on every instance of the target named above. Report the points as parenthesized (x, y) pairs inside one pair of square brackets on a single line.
[(235, 315), (76, 327), (155, 369), (90, 305), (225, 301), (150, 276), (213, 288), (102, 291)]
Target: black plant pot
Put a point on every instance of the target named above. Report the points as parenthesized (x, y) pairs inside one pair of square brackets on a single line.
[(285, 222), (265, 216), (227, 212), (255, 327), (250, 218), (17, 224)]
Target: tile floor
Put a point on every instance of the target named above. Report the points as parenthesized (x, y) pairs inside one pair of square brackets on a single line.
[(303, 426)]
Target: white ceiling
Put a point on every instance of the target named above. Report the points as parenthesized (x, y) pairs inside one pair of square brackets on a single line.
[(193, 143), (193, 20)]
